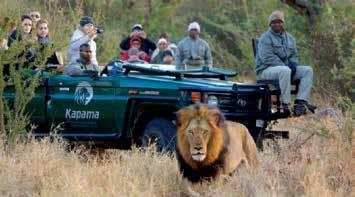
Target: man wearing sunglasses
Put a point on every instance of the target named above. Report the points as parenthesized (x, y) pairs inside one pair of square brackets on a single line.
[(35, 16)]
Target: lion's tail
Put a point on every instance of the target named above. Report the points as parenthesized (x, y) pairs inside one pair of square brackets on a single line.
[(251, 151)]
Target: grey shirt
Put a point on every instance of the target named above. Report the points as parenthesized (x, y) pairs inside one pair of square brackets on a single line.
[(275, 50), (193, 53), (78, 67)]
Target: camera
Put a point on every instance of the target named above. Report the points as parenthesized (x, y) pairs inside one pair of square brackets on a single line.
[(100, 30), (137, 32)]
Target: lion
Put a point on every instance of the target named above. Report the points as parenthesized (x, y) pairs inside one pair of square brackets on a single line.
[(208, 146)]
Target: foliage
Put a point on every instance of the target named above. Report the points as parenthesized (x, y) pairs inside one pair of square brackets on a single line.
[(22, 80), (315, 162)]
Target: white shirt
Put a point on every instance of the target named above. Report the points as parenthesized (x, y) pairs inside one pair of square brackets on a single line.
[(78, 38)]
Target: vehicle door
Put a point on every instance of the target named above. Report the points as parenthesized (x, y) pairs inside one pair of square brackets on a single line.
[(85, 107)]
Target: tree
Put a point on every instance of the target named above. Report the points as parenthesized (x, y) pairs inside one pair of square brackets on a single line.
[(305, 7)]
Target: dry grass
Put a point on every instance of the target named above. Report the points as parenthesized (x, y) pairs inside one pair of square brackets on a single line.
[(321, 165)]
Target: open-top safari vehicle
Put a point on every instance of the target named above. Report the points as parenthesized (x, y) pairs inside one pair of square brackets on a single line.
[(135, 103)]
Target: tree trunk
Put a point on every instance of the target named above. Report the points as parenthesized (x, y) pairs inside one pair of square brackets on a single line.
[(148, 11), (304, 7)]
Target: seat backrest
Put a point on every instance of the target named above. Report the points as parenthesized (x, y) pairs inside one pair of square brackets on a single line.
[(254, 42)]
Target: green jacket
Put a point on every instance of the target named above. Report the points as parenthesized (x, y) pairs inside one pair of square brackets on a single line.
[(275, 50)]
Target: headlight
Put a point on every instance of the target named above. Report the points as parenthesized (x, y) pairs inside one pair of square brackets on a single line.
[(212, 100)]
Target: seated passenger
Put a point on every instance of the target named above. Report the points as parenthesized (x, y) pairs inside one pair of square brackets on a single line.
[(45, 42), (165, 57), (83, 63), (24, 39), (162, 45), (6, 27), (148, 46), (134, 56), (170, 45), (193, 52), (168, 57), (276, 59), (136, 43)]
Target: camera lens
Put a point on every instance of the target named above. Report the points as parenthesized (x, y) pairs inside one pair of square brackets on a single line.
[(99, 30)]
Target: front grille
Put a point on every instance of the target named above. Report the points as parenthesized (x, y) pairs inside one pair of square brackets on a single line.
[(237, 103)]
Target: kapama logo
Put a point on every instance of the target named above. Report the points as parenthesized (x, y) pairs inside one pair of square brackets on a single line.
[(83, 93)]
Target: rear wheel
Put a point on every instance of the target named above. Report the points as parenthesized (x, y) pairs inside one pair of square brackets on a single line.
[(161, 132)]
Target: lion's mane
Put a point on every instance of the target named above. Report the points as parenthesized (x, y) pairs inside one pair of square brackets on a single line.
[(216, 147)]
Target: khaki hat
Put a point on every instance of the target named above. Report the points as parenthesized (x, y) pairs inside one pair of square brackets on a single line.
[(276, 15)]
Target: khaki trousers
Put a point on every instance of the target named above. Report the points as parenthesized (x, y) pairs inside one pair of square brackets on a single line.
[(283, 74)]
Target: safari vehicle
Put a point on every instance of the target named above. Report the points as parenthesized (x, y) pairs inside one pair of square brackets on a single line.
[(135, 104)]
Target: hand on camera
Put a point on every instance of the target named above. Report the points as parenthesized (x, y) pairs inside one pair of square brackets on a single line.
[(140, 34), (92, 34)]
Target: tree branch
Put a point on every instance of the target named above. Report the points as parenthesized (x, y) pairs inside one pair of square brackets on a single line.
[(304, 7)]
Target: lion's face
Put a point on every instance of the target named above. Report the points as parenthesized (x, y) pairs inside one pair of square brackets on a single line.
[(198, 133)]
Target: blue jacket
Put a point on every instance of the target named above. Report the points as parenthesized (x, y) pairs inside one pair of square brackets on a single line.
[(275, 50)]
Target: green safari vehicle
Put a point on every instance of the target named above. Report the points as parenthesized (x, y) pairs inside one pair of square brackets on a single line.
[(135, 104)]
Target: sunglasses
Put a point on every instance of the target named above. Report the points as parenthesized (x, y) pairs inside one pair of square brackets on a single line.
[(35, 16)]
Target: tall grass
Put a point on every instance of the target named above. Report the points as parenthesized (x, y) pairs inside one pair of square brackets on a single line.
[(320, 165)]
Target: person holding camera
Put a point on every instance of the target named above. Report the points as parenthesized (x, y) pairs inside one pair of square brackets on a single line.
[(148, 45), (136, 43), (276, 59), (86, 33)]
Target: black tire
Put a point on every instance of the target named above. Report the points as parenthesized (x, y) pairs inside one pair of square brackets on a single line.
[(161, 132)]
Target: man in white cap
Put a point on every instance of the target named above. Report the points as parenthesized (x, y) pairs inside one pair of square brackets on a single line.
[(148, 46), (192, 51), (276, 59)]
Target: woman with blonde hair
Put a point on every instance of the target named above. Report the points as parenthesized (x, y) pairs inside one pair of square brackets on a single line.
[(44, 41)]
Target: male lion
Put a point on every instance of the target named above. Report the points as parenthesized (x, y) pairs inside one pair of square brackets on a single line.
[(208, 146)]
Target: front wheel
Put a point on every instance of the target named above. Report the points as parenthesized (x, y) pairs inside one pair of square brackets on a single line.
[(161, 132)]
